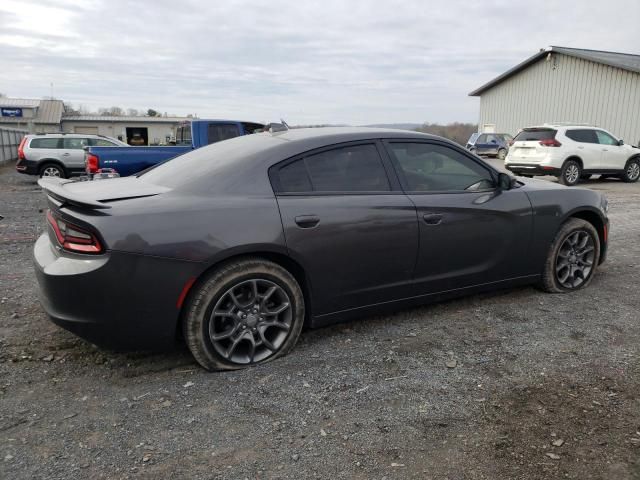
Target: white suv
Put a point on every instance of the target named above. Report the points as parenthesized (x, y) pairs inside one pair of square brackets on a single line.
[(572, 153)]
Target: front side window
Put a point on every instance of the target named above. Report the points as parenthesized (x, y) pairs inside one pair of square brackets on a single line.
[(46, 143), (436, 168), (221, 132), (582, 136), (605, 139), (354, 168), (75, 143), (482, 139)]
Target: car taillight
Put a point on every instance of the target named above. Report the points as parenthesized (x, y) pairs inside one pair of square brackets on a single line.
[(91, 163), (550, 142), (73, 238), (21, 149)]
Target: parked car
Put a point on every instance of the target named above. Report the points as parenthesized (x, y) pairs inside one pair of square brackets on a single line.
[(137, 140), (572, 153), (58, 154), (190, 135), (496, 144), (239, 244)]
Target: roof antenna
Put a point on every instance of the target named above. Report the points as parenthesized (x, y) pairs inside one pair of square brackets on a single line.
[(284, 123)]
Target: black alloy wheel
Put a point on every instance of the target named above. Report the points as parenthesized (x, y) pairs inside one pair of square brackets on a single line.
[(243, 313), (573, 257)]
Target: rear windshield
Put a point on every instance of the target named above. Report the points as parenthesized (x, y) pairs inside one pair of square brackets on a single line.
[(183, 134), (535, 134)]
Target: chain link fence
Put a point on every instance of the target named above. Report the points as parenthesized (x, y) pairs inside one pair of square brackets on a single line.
[(9, 141)]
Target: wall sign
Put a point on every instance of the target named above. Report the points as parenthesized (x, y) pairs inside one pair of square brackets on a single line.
[(11, 112)]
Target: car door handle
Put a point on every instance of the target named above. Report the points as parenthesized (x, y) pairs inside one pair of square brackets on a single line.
[(580, 148), (432, 218), (605, 149), (66, 154), (307, 221)]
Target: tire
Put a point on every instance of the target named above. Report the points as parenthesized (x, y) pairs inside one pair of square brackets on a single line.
[(474, 151), (631, 172), (52, 170), (585, 176), (502, 153), (247, 332), (525, 175), (571, 260), (570, 173)]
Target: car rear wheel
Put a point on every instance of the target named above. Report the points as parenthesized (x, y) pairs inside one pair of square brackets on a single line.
[(244, 313), (570, 173), (502, 153), (631, 171), (572, 258), (52, 170)]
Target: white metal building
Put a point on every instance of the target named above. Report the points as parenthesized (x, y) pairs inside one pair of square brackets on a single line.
[(568, 85)]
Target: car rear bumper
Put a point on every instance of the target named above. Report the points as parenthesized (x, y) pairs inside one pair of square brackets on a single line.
[(531, 169), (28, 167), (117, 300)]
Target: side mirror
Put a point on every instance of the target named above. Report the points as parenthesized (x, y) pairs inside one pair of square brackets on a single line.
[(505, 181), (620, 142)]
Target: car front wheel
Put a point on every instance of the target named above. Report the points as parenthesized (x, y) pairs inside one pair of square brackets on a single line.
[(244, 313), (572, 258), (631, 171), (570, 173)]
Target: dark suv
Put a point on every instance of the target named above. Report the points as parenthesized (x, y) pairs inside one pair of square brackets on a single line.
[(490, 144)]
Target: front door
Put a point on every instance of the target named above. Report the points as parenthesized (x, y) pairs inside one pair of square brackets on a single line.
[(348, 224), (614, 156), (471, 233)]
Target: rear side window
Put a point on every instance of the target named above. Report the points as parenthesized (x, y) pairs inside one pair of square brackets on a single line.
[(535, 134), (46, 143), (219, 132), (582, 136), (75, 143), (354, 168), (99, 142)]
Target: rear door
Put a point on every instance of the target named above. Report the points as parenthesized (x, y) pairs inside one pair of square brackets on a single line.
[(73, 152), (471, 233), (348, 223), (585, 147)]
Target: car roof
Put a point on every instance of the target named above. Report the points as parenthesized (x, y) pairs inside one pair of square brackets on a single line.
[(45, 135)]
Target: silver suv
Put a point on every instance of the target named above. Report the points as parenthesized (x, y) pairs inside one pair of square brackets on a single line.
[(58, 154)]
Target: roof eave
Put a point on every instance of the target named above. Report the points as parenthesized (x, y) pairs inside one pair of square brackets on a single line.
[(512, 71)]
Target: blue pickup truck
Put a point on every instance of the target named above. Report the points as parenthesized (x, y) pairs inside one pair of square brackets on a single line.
[(189, 136)]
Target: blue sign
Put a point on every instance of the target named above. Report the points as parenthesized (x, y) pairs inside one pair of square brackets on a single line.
[(11, 112)]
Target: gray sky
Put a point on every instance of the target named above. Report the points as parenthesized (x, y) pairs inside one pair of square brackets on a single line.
[(326, 61)]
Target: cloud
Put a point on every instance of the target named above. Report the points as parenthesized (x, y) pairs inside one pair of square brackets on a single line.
[(308, 62)]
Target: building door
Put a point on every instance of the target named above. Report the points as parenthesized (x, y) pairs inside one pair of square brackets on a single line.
[(86, 130)]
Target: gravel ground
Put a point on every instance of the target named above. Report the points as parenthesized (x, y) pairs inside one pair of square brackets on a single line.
[(517, 384)]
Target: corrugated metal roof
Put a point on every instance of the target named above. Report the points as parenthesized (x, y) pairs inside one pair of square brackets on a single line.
[(105, 118), (49, 111), (625, 61), (19, 102)]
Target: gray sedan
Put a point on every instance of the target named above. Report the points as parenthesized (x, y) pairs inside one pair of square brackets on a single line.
[(237, 246)]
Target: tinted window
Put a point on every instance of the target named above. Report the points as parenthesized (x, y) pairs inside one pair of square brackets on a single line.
[(605, 139), (100, 142), (356, 168), (294, 178), (46, 143), (493, 139), (75, 143), (219, 132), (535, 134), (429, 168), (482, 139), (582, 136)]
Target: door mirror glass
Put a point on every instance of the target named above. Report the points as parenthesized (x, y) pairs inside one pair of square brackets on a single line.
[(505, 182), (620, 142)]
